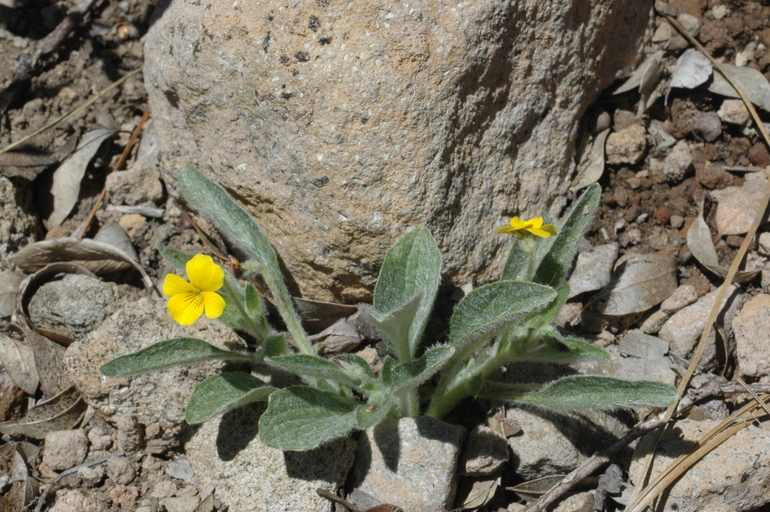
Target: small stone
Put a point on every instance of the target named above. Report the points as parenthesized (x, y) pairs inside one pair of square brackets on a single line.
[(593, 269), (653, 323), (140, 187), (677, 221), (180, 468), (734, 112), (741, 59), (164, 488), (707, 125), (602, 122), (622, 119), (764, 244), (65, 449), (182, 504), (131, 436), (751, 327), (124, 496), (713, 177), (485, 453), (424, 478), (690, 23), (91, 476), (626, 146), (133, 223), (719, 12), (758, 155), (678, 162), (120, 470), (77, 500), (662, 215), (101, 435), (662, 33), (735, 211), (682, 297)]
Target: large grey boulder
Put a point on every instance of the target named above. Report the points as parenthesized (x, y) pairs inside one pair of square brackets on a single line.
[(342, 124)]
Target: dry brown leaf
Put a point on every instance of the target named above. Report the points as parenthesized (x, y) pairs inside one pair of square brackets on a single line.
[(638, 283), (21, 164), (21, 494), (590, 165), (533, 489), (67, 178), (48, 357), (62, 412), (9, 290), (98, 257), (753, 83), (19, 361), (477, 492)]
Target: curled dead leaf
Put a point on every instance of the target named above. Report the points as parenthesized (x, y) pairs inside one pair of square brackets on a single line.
[(19, 361), (61, 412)]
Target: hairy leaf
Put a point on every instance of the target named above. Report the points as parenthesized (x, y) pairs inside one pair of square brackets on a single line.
[(492, 309), (557, 263), (412, 267), (394, 327), (316, 367), (568, 349), (223, 392), (406, 376), (301, 418), (168, 353), (584, 391)]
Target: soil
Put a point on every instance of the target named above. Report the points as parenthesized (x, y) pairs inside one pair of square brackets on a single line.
[(642, 209)]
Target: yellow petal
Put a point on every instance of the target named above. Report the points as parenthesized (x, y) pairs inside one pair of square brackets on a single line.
[(174, 285), (214, 304), (186, 308), (517, 223), (535, 223), (204, 274), (506, 229)]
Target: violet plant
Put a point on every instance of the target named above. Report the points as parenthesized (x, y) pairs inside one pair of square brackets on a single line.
[(492, 326)]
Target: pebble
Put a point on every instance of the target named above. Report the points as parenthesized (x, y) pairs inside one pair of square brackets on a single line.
[(77, 500), (164, 488), (662, 33), (626, 146), (183, 504), (734, 213), (707, 125), (682, 297), (622, 119), (140, 187), (734, 112), (690, 23), (764, 243), (678, 162), (485, 453), (593, 269), (411, 484), (120, 470), (758, 155), (653, 323), (180, 468), (65, 449), (677, 221), (719, 12), (662, 215), (91, 476), (100, 435), (751, 326)]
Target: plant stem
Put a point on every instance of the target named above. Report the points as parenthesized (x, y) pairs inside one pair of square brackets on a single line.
[(256, 330)]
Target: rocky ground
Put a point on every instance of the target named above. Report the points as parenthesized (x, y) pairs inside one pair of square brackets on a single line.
[(693, 158)]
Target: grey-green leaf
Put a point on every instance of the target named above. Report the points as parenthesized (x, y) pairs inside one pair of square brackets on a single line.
[(406, 376), (177, 258), (412, 267), (168, 353), (314, 366), (223, 392), (301, 418), (394, 326), (557, 263), (586, 391), (568, 349), (492, 309)]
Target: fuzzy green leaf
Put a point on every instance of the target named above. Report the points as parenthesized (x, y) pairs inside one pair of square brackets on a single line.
[(586, 391), (487, 311), (371, 414), (394, 327), (315, 367), (301, 418), (568, 349), (521, 265), (223, 392), (168, 353), (406, 376), (557, 263), (177, 258), (243, 231), (412, 267)]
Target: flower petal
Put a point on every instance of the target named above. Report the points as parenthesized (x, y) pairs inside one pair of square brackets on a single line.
[(214, 304), (517, 223), (506, 229), (174, 285), (544, 232), (186, 308), (536, 223), (204, 274)]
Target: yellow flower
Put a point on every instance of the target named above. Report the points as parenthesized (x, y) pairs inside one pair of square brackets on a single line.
[(188, 300), (522, 228)]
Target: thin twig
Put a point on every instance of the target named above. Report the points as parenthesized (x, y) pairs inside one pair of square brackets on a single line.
[(71, 113), (41, 500), (123, 157)]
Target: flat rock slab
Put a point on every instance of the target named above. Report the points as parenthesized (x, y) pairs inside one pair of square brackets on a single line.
[(751, 326), (732, 478), (159, 396), (411, 463), (226, 453), (340, 125)]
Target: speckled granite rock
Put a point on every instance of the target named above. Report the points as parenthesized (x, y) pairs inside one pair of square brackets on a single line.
[(342, 124)]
